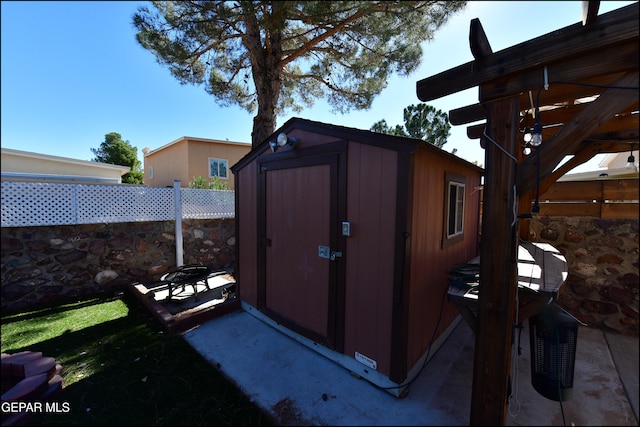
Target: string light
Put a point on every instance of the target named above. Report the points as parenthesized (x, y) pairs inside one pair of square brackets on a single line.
[(631, 160), (536, 138)]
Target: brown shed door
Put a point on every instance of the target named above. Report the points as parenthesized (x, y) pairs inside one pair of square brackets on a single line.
[(299, 289)]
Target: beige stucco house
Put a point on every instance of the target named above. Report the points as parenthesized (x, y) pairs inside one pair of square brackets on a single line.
[(20, 165), (611, 165), (188, 157)]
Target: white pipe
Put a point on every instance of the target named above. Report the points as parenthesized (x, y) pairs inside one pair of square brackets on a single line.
[(178, 216)]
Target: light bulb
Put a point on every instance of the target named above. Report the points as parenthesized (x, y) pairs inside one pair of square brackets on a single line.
[(536, 138), (282, 139), (527, 150), (631, 162)]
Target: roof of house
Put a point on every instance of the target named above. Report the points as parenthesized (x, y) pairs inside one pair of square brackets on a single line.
[(26, 165), (146, 151), (59, 159), (611, 166)]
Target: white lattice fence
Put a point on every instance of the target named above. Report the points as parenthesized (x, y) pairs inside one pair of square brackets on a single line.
[(40, 204), (198, 203), (124, 204), (31, 203)]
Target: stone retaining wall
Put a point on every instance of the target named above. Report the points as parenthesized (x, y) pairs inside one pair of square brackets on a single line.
[(46, 264), (602, 255), (42, 265)]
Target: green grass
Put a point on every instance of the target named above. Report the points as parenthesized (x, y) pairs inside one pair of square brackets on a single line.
[(120, 368)]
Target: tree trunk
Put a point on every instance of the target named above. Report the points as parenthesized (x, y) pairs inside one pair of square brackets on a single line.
[(266, 56), (264, 123)]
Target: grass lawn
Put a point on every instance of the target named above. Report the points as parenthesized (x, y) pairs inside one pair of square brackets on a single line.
[(120, 368)]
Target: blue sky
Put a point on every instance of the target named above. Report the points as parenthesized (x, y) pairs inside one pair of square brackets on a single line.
[(73, 72)]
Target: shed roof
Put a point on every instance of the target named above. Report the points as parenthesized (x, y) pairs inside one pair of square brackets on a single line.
[(391, 142)]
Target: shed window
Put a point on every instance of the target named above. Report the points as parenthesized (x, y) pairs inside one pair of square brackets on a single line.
[(218, 168), (454, 209)]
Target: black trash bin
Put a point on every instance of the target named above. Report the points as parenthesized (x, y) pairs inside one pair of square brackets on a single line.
[(553, 337)]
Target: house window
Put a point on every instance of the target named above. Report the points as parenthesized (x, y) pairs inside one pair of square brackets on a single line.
[(150, 172), (454, 209), (219, 168)]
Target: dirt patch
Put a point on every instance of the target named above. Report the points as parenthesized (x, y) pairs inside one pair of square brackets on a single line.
[(287, 414)]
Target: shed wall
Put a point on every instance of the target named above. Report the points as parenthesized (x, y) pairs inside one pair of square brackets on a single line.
[(247, 233), (371, 208), (247, 197), (395, 336), (429, 260)]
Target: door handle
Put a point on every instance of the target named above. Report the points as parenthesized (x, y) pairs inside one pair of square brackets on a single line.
[(335, 255)]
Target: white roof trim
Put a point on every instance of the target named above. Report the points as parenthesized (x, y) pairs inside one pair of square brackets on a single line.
[(44, 177)]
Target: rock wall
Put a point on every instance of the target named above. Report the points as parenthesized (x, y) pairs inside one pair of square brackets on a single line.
[(602, 255), (46, 264), (42, 265)]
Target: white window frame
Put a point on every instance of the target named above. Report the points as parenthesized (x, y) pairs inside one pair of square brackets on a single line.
[(455, 185)]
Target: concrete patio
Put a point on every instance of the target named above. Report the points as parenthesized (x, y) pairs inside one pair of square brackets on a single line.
[(298, 386)]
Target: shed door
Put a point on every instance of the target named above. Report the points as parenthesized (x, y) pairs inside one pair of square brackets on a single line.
[(300, 205)]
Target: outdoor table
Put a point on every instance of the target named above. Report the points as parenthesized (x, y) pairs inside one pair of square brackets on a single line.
[(542, 270), (186, 275)]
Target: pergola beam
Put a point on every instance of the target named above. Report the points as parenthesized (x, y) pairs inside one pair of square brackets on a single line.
[(619, 128), (589, 11), (568, 70), (571, 135), (558, 94), (612, 28)]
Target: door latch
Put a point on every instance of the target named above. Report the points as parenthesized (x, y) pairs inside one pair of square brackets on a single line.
[(326, 252)]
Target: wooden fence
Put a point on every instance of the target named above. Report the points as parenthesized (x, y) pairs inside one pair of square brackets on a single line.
[(612, 198)]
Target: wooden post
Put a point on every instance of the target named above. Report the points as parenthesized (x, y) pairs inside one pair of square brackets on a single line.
[(496, 302), (524, 208)]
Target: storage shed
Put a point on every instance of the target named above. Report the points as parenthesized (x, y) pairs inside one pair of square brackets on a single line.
[(344, 239)]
